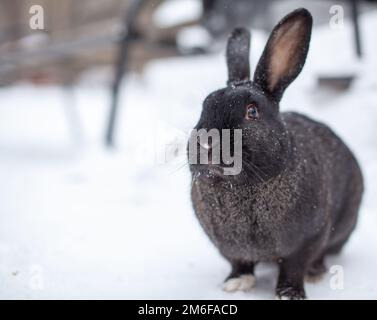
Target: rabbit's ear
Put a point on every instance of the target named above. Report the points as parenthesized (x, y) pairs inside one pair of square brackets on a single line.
[(237, 56), (285, 53)]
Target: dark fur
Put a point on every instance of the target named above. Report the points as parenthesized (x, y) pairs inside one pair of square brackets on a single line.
[(300, 188)]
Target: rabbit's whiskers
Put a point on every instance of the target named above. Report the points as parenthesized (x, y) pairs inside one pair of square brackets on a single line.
[(253, 168)]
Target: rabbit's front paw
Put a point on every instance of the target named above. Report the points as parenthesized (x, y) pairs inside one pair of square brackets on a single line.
[(242, 283), (290, 293)]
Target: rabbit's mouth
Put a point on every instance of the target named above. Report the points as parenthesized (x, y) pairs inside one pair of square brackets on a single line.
[(209, 170)]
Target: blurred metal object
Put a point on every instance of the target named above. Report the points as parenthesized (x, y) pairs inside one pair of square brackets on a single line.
[(71, 28), (356, 25), (338, 83), (129, 34), (82, 34), (140, 13)]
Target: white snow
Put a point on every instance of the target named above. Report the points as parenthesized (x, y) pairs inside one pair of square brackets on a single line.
[(173, 12), (80, 221)]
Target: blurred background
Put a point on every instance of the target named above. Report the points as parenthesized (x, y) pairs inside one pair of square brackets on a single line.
[(97, 99)]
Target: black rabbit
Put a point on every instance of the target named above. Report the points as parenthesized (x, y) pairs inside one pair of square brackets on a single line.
[(297, 196)]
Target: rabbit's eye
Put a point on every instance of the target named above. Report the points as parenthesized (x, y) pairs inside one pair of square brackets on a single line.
[(252, 112)]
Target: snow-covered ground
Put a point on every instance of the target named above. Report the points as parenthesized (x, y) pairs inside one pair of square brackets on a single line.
[(80, 221)]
